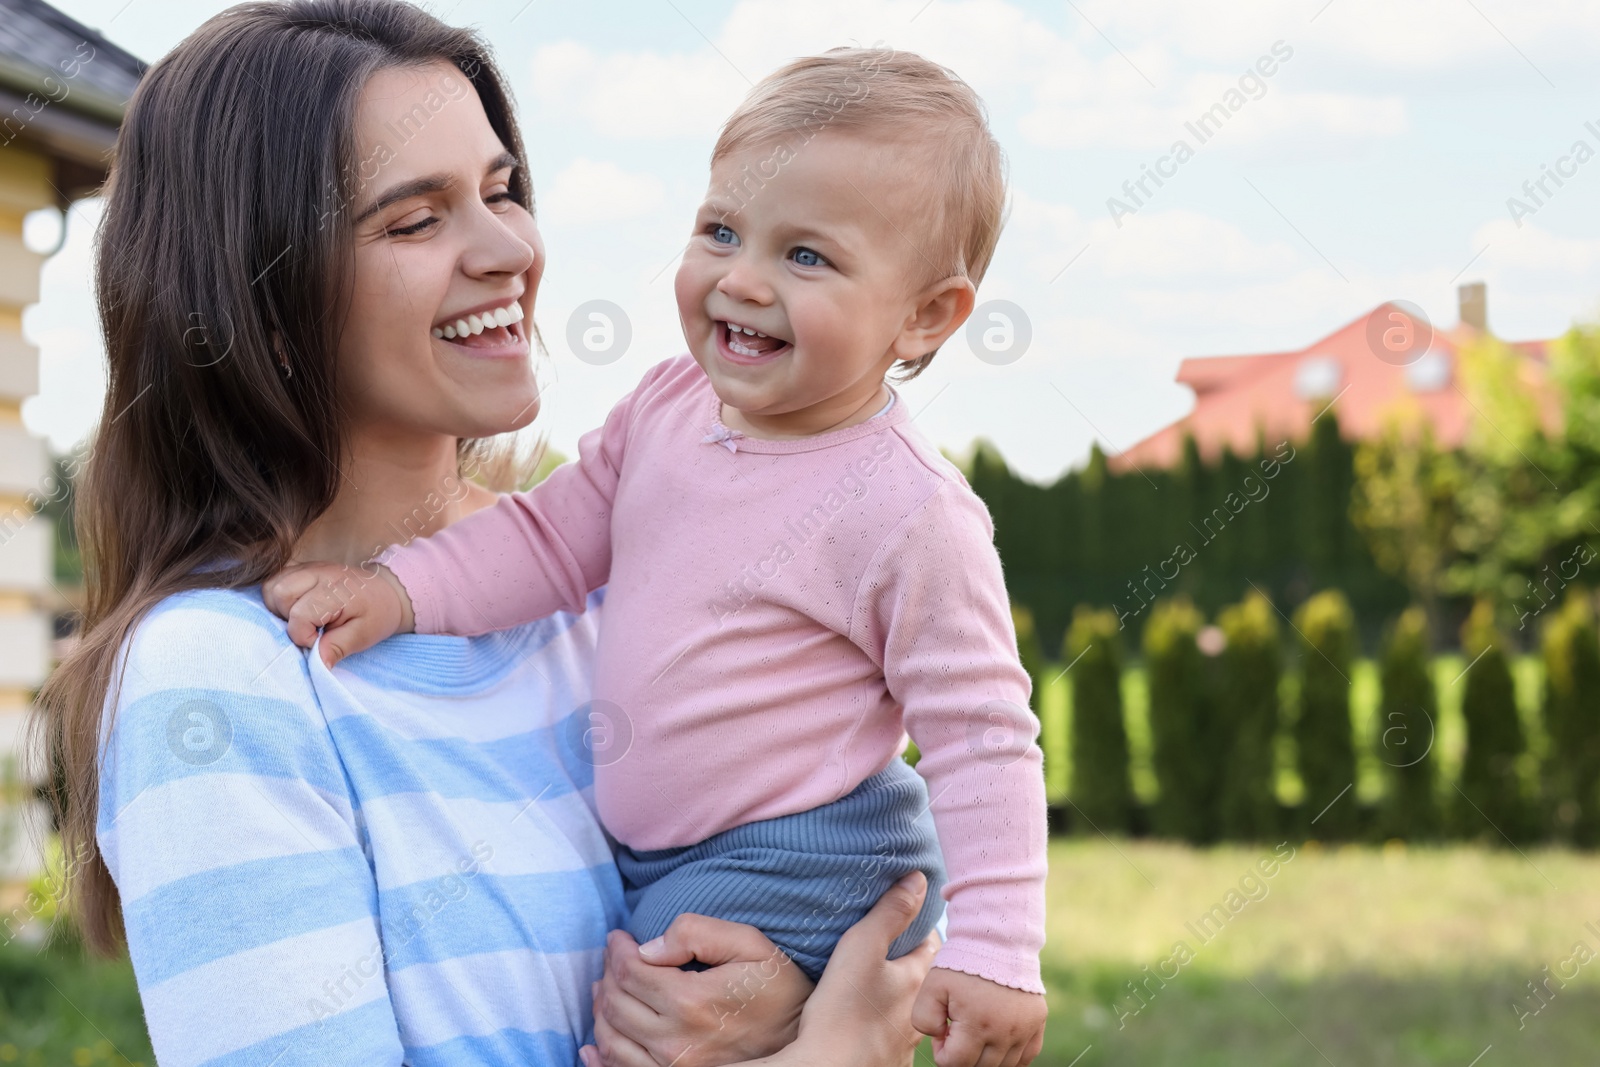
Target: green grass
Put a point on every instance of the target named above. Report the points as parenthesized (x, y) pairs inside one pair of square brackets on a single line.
[(1378, 957), (57, 1008)]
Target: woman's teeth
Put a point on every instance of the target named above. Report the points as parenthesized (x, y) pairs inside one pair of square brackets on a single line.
[(473, 325)]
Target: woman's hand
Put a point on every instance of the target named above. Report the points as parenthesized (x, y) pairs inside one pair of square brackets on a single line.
[(860, 1014), (648, 1012)]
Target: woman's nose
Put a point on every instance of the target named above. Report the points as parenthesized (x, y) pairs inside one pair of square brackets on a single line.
[(497, 248)]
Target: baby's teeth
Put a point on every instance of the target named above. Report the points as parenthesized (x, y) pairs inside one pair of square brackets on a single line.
[(462, 329), (438, 332)]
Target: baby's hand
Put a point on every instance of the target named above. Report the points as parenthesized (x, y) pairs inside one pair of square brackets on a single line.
[(988, 1023), (355, 610)]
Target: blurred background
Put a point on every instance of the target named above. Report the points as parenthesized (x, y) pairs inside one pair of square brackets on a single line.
[(1284, 394)]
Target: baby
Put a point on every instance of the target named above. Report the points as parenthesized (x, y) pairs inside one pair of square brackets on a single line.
[(796, 577)]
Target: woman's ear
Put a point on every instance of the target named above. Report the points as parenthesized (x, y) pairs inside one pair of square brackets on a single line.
[(938, 311)]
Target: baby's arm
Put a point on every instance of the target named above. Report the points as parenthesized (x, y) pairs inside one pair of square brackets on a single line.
[(933, 609), (528, 555)]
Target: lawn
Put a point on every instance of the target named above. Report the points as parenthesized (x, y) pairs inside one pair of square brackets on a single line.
[(1371, 956), (1361, 955), (56, 1009)]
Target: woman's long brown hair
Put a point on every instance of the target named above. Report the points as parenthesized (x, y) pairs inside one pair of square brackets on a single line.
[(222, 273)]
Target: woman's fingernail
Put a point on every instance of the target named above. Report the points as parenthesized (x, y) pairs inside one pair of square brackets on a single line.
[(653, 947)]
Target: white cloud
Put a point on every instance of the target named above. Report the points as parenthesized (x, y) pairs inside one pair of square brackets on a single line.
[(1533, 249), (1138, 94), (598, 191), (644, 95), (1148, 246)]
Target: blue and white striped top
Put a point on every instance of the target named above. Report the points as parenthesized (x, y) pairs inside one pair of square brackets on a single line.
[(395, 861)]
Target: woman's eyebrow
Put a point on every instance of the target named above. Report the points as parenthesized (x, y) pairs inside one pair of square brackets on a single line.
[(428, 183)]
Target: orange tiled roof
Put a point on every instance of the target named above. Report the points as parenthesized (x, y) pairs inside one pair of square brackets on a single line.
[(1278, 394)]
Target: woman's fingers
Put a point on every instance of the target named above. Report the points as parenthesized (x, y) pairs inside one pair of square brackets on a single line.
[(888, 918), (618, 1049), (711, 941), (627, 1015), (629, 973)]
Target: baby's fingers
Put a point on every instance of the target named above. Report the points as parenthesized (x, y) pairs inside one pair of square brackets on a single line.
[(310, 613), (284, 589)]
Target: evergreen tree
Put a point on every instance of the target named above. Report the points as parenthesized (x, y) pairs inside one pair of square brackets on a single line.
[(1489, 802), (1029, 652), (1249, 714), (1189, 749), (1408, 716), (1100, 785), (1572, 715), (1325, 749)]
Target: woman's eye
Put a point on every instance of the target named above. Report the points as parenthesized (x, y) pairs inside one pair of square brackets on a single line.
[(413, 228), (807, 258), (724, 235), (418, 227)]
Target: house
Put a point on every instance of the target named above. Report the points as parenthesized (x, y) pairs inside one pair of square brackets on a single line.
[(63, 88), (1388, 360)]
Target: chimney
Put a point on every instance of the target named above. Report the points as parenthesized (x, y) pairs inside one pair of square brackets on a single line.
[(1474, 298)]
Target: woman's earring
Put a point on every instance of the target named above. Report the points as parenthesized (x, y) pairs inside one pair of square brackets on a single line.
[(283, 360)]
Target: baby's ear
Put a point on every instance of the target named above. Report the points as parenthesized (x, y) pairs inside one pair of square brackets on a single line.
[(939, 310)]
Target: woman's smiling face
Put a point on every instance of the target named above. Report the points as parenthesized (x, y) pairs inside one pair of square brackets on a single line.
[(437, 238)]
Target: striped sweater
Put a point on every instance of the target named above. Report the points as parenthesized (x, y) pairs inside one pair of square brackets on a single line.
[(395, 861)]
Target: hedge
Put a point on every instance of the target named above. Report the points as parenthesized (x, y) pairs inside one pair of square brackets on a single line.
[(1189, 748), (1324, 747), (1248, 713), (1489, 802), (1572, 713), (1100, 791), (1408, 717)]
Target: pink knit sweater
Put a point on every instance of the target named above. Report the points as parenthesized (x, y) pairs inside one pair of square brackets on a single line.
[(779, 615)]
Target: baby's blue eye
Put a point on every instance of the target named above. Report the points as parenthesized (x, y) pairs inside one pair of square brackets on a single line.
[(723, 235), (807, 258)]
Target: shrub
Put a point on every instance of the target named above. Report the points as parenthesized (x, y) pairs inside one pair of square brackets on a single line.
[(1572, 715), (1408, 714), (1247, 711), (1325, 749), (1189, 751), (1030, 652), (1100, 786), (1489, 803)]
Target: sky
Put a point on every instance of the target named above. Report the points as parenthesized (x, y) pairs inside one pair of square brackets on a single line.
[(1384, 157)]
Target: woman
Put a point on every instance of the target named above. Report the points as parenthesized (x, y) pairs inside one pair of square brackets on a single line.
[(398, 859)]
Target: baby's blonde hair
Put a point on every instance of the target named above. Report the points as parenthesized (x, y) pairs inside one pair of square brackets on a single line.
[(905, 99)]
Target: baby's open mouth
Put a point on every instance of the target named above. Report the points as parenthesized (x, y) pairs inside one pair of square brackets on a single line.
[(495, 328), (748, 342)]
